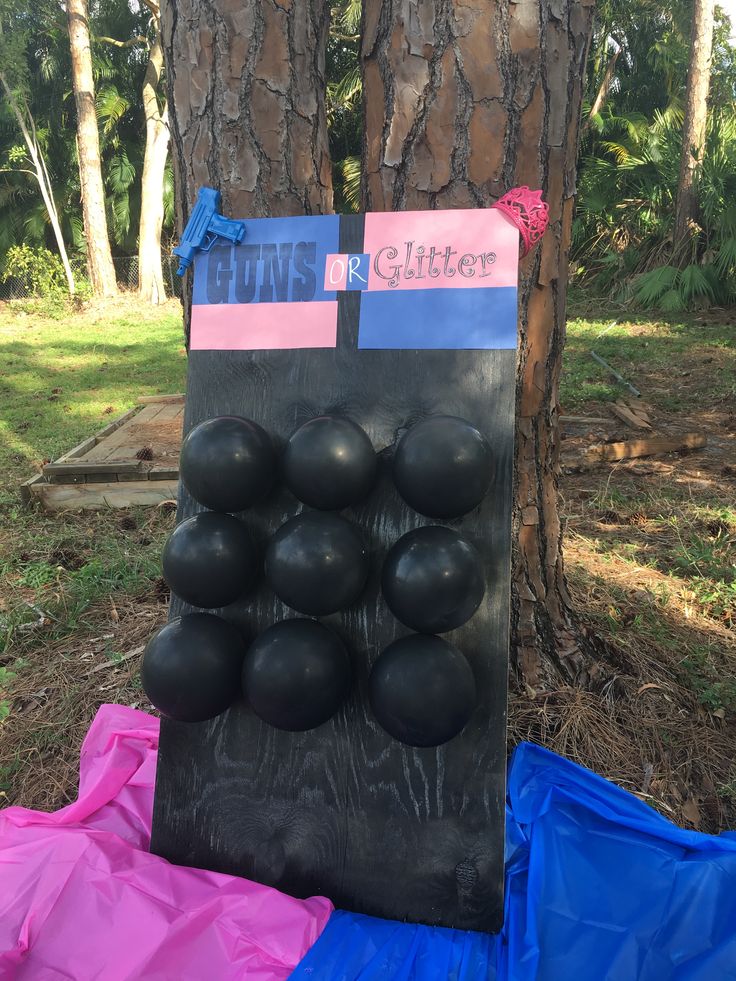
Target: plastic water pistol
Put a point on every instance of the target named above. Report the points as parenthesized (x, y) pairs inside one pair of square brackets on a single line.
[(204, 225)]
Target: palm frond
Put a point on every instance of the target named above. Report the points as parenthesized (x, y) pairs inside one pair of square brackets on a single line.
[(348, 16), (120, 172), (351, 174), (694, 284), (111, 107), (653, 285)]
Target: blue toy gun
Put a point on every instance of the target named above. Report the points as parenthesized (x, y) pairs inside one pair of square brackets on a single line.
[(204, 225)]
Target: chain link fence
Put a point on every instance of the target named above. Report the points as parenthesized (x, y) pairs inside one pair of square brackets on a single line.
[(126, 273)]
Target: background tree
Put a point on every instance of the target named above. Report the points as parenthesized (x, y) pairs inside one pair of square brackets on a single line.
[(696, 111), (630, 164), (14, 27), (99, 257), (247, 84), (150, 273), (462, 103), (26, 125)]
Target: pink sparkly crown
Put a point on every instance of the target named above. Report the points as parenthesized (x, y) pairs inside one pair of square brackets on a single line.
[(528, 212)]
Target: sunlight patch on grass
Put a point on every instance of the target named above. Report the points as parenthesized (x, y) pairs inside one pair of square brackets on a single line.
[(662, 359)]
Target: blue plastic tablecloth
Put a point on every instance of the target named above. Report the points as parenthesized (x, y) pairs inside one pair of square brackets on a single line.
[(599, 887)]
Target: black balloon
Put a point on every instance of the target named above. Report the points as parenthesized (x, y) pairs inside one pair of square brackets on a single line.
[(330, 463), (296, 674), (443, 467), (317, 563), (191, 667), (209, 560), (422, 690), (227, 463), (433, 580)]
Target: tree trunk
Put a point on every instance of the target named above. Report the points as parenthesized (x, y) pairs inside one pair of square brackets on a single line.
[(246, 82), (696, 112), (150, 274), (28, 131), (99, 258), (464, 101), (604, 88)]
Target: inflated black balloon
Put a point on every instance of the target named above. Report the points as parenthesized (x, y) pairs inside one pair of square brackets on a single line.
[(209, 560), (422, 690), (433, 579), (317, 563), (296, 674), (227, 463), (191, 667), (443, 466), (330, 463)]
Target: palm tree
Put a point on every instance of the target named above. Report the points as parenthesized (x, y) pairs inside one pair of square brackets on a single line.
[(99, 256)]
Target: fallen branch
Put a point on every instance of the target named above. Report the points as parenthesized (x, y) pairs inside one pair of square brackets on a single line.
[(120, 660)]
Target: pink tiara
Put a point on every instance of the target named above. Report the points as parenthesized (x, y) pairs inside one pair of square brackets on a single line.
[(528, 212)]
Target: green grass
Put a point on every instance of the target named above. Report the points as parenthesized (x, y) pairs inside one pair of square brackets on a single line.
[(62, 380), (663, 359)]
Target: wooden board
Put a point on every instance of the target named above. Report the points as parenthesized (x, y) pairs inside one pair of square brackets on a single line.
[(344, 810), (87, 475), (147, 399), (94, 496), (631, 449), (156, 425), (112, 454)]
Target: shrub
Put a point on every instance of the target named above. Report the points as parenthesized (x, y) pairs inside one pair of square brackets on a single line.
[(39, 271)]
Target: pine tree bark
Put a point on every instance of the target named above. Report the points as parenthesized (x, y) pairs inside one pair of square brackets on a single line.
[(99, 257), (463, 101), (246, 86), (151, 287), (696, 114)]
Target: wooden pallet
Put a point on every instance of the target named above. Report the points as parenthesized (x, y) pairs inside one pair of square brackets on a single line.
[(110, 469)]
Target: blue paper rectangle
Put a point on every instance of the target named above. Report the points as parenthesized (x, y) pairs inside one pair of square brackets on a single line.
[(439, 319), (357, 271), (280, 260)]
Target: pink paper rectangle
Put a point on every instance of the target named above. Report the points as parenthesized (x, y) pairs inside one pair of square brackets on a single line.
[(336, 271), (263, 326), (477, 232)]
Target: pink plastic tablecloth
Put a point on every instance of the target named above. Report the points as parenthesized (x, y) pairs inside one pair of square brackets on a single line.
[(81, 898)]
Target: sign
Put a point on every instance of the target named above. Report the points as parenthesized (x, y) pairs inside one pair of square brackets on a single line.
[(442, 280), (404, 325)]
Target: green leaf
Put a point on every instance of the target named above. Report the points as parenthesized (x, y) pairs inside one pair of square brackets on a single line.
[(672, 302), (111, 107), (120, 172), (351, 173), (725, 260), (693, 283), (653, 285)]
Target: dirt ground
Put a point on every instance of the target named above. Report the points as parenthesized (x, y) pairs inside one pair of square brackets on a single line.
[(650, 560)]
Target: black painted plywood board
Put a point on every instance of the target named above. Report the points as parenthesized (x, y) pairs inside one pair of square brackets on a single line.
[(344, 810)]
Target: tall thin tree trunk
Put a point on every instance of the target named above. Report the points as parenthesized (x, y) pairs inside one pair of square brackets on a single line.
[(246, 82), (99, 257), (696, 114), (28, 132), (604, 88), (150, 274), (463, 102)]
